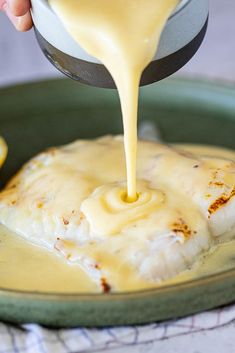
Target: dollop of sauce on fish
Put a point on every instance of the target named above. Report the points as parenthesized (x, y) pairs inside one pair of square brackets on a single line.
[(70, 201)]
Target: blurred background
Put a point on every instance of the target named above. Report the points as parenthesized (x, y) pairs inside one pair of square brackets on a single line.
[(22, 60)]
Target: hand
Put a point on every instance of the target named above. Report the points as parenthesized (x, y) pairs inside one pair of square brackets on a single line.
[(18, 12)]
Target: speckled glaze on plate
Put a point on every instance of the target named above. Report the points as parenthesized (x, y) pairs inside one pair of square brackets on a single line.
[(38, 115)]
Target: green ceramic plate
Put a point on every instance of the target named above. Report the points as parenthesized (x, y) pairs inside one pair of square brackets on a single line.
[(38, 115)]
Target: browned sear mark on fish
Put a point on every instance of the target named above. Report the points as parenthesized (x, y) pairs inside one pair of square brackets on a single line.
[(65, 221), (216, 183), (181, 227), (105, 286), (52, 151), (221, 201)]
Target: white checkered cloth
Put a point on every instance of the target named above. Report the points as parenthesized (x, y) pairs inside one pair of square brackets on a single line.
[(32, 338)]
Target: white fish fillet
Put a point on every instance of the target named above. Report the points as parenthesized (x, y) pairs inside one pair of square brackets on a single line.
[(42, 204)]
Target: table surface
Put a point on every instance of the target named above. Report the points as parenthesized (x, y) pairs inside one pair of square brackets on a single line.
[(21, 60)]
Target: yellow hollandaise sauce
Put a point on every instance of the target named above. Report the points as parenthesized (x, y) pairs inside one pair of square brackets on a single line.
[(123, 35), (27, 267), (54, 264)]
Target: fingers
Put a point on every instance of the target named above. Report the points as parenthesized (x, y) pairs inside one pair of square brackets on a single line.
[(18, 12), (19, 7), (24, 23)]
